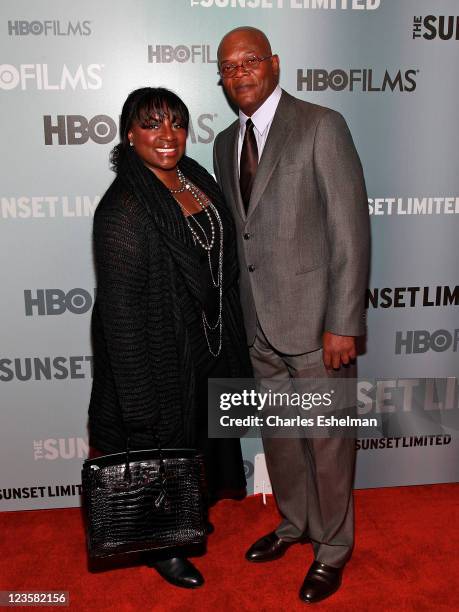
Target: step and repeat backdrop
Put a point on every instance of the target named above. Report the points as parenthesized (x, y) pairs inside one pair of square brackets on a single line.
[(389, 67)]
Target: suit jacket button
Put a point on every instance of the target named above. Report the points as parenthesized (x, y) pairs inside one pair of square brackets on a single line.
[(246, 236), (251, 268)]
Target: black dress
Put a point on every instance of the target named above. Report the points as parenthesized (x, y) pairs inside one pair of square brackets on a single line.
[(224, 478)]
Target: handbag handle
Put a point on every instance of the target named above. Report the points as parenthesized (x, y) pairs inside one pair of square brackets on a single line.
[(162, 467)]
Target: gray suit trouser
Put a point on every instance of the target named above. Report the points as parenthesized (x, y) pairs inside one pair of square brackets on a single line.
[(311, 477)]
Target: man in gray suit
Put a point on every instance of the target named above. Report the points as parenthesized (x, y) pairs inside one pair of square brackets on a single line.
[(290, 172)]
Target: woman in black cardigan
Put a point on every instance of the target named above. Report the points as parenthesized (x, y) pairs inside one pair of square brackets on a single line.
[(167, 314)]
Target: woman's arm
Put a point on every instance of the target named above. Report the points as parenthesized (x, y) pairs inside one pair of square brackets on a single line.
[(121, 256)]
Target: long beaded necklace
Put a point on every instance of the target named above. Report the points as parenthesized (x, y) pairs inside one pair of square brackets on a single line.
[(207, 243)]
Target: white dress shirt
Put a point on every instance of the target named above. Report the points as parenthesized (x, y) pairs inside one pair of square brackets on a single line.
[(261, 119)]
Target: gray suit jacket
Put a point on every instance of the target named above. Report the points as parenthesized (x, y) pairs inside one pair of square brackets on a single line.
[(303, 247)]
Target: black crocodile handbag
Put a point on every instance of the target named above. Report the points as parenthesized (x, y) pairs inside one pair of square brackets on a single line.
[(144, 500)]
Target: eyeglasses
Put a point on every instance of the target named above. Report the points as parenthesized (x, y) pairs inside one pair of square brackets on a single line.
[(249, 63)]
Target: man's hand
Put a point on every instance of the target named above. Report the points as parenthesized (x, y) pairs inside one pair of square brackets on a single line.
[(338, 350)]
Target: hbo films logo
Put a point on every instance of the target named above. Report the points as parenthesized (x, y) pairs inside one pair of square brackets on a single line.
[(167, 54), (55, 302), (102, 129)]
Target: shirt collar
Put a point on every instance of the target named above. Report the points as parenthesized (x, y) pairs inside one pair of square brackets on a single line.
[(262, 117)]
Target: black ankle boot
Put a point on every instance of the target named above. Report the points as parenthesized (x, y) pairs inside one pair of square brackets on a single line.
[(179, 572)]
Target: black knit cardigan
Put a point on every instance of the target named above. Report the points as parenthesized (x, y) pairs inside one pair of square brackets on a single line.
[(144, 374)]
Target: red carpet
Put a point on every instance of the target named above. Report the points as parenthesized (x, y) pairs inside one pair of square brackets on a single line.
[(406, 558)]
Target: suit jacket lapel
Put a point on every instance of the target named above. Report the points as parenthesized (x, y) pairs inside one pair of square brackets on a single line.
[(280, 132), (234, 170)]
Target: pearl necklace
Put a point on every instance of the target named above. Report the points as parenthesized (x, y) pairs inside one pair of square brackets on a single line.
[(207, 244)]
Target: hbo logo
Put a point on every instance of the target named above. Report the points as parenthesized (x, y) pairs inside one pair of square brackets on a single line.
[(421, 341), (56, 301), (76, 129)]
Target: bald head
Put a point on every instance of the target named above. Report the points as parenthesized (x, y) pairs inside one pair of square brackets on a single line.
[(250, 83), (254, 32)]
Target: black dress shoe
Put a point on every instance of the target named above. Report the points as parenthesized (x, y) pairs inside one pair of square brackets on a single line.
[(267, 548), (179, 572), (321, 581)]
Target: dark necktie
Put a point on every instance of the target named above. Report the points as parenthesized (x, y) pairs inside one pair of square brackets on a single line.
[(248, 164)]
